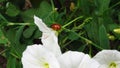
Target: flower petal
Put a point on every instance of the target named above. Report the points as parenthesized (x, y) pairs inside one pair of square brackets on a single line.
[(87, 62), (103, 66), (42, 27), (49, 39), (36, 56), (70, 59), (50, 42), (107, 56)]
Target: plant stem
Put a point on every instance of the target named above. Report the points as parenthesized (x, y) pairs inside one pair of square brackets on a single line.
[(115, 5), (52, 3), (14, 55), (11, 24), (67, 43), (85, 39), (72, 21)]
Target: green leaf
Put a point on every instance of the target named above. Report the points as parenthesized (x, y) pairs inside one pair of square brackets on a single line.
[(103, 38), (37, 34), (29, 32), (44, 11), (112, 26), (11, 63), (102, 5), (19, 34), (85, 6), (12, 10), (92, 31), (17, 49), (2, 0), (10, 34), (2, 17), (19, 65), (72, 35), (3, 39), (119, 16), (28, 15), (81, 48)]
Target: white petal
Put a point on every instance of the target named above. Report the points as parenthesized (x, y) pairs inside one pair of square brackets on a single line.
[(103, 66), (70, 59), (42, 27), (87, 62), (107, 56), (36, 56), (50, 42), (49, 39)]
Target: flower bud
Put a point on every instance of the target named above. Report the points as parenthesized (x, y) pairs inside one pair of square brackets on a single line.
[(117, 30), (111, 37), (72, 6)]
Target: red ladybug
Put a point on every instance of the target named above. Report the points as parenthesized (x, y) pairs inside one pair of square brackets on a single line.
[(56, 26)]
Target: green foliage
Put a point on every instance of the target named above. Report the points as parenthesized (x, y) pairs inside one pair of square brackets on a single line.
[(87, 28), (11, 10), (3, 39), (11, 62), (104, 41), (29, 32), (72, 36), (2, 0)]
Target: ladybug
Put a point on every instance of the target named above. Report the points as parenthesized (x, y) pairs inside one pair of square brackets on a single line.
[(56, 26)]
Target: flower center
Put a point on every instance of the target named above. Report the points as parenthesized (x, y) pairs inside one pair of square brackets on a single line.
[(46, 65), (113, 65)]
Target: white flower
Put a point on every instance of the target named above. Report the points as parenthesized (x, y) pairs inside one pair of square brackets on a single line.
[(49, 54), (73, 59), (42, 56), (37, 56), (49, 39), (108, 58)]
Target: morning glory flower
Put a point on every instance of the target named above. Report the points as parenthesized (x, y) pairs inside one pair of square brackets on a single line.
[(37, 56), (42, 56), (74, 59), (108, 58), (49, 38), (49, 54)]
